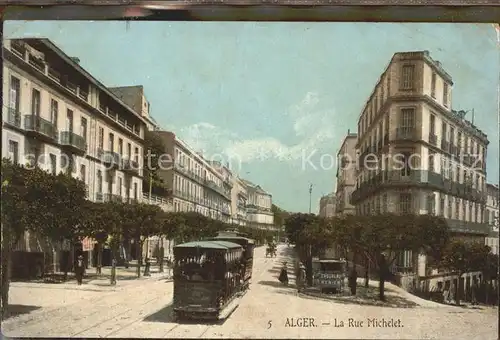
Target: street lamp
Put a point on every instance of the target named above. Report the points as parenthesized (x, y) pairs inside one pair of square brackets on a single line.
[(310, 196)]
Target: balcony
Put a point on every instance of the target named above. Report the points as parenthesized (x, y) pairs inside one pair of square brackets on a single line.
[(74, 142), (458, 226), (109, 158), (13, 117), (468, 159), (418, 178), (216, 188), (433, 139), (453, 150), (405, 133), (445, 146), (130, 166), (40, 128)]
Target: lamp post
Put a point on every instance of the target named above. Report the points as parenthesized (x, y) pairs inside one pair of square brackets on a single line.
[(310, 196)]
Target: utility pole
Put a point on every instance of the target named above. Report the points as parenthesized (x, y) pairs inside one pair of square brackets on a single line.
[(310, 196)]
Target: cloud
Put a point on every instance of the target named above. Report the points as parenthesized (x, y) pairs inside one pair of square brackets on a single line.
[(312, 127)]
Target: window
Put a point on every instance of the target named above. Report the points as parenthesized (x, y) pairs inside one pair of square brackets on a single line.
[(431, 162), (111, 142), (433, 85), (136, 155), (449, 206), (452, 135), (466, 144), (69, 120), (443, 131), (82, 172), (101, 137), (14, 95), (407, 78), (459, 141), (99, 181), (120, 146), (405, 203), (470, 211), (388, 83), (457, 208), (406, 168), (441, 204), (431, 204), (432, 124), (35, 102), (83, 127), (53, 164), (407, 118), (129, 150), (445, 94), (382, 95), (120, 184), (54, 111), (14, 151)]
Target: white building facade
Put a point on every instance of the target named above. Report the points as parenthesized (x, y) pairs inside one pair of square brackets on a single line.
[(491, 216), (59, 117), (239, 198), (346, 174), (259, 207)]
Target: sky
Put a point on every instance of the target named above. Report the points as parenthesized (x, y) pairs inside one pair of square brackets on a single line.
[(268, 97)]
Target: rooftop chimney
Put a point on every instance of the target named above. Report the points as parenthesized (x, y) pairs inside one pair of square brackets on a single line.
[(75, 59), (348, 131)]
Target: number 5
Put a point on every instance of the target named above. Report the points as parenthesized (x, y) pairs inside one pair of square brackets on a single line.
[(269, 324)]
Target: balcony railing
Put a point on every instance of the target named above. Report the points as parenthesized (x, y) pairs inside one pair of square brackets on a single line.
[(69, 138), (109, 157), (445, 146), (41, 126), (417, 178), (14, 117), (433, 138), (459, 226), (405, 132), (130, 165)]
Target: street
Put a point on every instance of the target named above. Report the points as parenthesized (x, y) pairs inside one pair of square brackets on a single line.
[(141, 308)]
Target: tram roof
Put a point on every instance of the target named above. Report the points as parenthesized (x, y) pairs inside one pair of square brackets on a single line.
[(230, 237), (209, 245)]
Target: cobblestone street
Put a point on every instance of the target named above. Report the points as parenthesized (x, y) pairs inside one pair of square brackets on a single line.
[(141, 308)]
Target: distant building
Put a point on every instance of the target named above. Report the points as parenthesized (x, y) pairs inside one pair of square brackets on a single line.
[(346, 174), (239, 199), (491, 216), (327, 205), (259, 207)]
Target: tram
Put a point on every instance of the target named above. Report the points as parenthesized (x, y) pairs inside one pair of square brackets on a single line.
[(248, 251), (207, 279)]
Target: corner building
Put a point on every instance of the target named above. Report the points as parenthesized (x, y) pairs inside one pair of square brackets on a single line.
[(59, 117), (417, 155), (346, 174)]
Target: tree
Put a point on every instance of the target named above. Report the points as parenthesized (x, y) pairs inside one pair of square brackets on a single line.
[(141, 221), (310, 234), (462, 257)]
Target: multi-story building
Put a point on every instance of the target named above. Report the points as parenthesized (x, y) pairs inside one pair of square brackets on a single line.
[(259, 207), (491, 216), (135, 98), (327, 205), (239, 198), (346, 174), (196, 184), (58, 116), (416, 154)]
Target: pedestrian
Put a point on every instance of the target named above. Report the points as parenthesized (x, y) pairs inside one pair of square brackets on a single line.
[(79, 270), (283, 278), (474, 291), (353, 278), (301, 278), (147, 267), (451, 293)]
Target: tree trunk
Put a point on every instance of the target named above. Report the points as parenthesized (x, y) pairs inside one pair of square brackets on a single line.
[(457, 290), (6, 270), (367, 272), (162, 254), (138, 252), (113, 262), (382, 265), (309, 266), (99, 258)]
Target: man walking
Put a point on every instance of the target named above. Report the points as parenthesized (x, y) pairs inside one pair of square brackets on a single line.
[(79, 269)]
